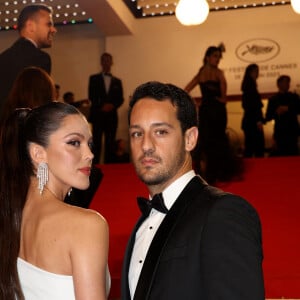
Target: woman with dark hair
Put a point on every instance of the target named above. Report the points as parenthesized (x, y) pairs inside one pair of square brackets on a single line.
[(33, 87), (253, 120), (49, 249), (210, 78), (213, 151)]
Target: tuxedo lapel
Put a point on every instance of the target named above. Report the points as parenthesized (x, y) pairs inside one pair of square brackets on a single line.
[(102, 84), (161, 237)]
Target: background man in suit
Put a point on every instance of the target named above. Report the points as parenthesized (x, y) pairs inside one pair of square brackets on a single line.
[(193, 240), (106, 96), (36, 30), (284, 108)]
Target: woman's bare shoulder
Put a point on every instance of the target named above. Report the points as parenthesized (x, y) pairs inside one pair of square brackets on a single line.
[(81, 220), (87, 215)]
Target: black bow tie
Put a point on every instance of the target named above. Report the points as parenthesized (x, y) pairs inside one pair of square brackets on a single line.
[(107, 74), (146, 205)]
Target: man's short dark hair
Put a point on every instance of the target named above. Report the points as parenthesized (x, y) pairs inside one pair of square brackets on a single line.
[(105, 54), (282, 78), (29, 12), (185, 106), (67, 96)]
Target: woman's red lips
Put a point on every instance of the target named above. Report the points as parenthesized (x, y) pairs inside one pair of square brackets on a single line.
[(86, 170)]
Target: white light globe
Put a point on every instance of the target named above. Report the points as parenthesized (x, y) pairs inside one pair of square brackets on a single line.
[(296, 5), (192, 12)]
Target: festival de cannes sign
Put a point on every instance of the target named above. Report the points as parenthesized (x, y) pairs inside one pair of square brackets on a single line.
[(257, 50)]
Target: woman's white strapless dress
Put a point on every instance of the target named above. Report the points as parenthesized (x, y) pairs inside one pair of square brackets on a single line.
[(38, 284)]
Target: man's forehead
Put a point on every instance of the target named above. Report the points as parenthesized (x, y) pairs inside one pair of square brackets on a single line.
[(154, 104), (153, 112)]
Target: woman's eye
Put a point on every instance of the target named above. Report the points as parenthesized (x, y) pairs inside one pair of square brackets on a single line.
[(74, 143), (91, 145)]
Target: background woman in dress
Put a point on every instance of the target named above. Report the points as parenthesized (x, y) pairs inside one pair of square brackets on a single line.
[(48, 249), (217, 161), (253, 120)]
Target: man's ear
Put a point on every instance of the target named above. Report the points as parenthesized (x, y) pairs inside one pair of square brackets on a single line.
[(191, 138), (37, 153), (29, 25)]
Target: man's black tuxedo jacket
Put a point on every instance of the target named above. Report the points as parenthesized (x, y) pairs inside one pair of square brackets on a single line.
[(208, 247), (99, 96), (20, 55)]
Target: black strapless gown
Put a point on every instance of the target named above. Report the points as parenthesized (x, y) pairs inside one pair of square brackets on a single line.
[(214, 147)]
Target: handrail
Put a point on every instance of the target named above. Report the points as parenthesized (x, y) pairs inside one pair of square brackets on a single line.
[(238, 97)]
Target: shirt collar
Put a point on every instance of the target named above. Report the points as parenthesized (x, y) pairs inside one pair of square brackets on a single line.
[(32, 41), (171, 193), (108, 74)]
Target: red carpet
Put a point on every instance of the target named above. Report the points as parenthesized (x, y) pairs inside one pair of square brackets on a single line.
[(272, 185)]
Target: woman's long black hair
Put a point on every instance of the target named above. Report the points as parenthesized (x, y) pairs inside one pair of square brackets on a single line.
[(22, 127)]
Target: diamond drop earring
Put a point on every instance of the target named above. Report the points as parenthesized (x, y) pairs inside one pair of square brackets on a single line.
[(42, 175)]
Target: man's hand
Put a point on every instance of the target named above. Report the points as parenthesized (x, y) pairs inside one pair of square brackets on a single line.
[(107, 107), (282, 109)]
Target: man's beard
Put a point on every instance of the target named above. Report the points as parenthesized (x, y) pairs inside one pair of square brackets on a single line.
[(163, 175)]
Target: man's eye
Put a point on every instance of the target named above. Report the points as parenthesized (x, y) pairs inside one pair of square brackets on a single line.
[(161, 132), (135, 134)]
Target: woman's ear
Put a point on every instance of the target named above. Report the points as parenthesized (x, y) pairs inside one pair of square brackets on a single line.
[(191, 138), (37, 153)]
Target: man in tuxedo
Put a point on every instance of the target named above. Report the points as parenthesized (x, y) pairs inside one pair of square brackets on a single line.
[(284, 108), (193, 241), (36, 31), (106, 95)]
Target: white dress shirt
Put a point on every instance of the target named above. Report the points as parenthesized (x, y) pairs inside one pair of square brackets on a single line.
[(107, 81), (148, 228)]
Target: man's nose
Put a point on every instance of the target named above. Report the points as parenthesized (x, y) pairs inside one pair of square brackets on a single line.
[(148, 143)]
